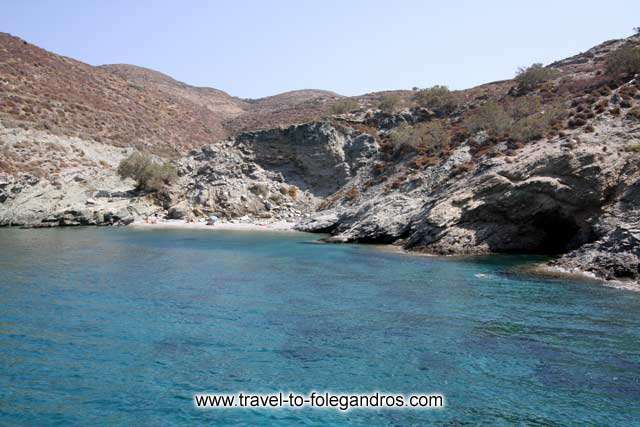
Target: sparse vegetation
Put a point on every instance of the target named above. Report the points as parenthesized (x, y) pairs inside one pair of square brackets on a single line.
[(532, 120), (390, 103), (490, 117), (148, 174), (634, 148), (344, 105), (525, 119), (423, 137), (624, 61), (530, 78), (438, 98)]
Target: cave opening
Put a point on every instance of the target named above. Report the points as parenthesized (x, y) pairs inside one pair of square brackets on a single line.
[(558, 232)]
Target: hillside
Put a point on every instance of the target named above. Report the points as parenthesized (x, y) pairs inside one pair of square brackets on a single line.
[(41, 90), (216, 101), (545, 163), (296, 106), (125, 105)]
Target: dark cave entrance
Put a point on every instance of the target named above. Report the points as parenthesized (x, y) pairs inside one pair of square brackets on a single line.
[(556, 233)]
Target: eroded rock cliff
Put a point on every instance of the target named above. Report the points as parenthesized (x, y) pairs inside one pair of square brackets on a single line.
[(551, 171)]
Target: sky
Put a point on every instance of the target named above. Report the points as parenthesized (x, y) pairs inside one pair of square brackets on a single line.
[(253, 49)]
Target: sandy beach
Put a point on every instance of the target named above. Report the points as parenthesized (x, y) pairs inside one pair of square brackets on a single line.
[(237, 226)]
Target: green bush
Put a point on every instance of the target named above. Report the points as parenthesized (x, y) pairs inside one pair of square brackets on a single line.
[(530, 78), (431, 136), (535, 126), (490, 117), (524, 119), (438, 98), (624, 61), (390, 103), (148, 174), (344, 105), (401, 135)]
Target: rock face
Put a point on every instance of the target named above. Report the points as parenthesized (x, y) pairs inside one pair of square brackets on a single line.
[(279, 174), (554, 197), (615, 254), (316, 157), (36, 202), (179, 211), (80, 187), (572, 190)]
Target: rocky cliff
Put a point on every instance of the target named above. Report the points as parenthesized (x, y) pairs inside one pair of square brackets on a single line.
[(575, 195), (552, 169)]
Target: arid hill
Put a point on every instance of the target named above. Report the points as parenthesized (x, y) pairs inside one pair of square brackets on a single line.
[(125, 105)]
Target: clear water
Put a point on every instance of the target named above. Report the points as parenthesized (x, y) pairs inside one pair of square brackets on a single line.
[(121, 327)]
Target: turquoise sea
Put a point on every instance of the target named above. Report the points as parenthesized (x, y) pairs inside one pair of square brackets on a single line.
[(121, 327)]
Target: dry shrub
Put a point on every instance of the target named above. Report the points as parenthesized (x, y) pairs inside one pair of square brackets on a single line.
[(576, 122), (624, 61), (490, 117), (148, 174), (423, 137), (523, 119), (627, 91), (602, 84), (535, 125), (344, 105), (531, 77), (390, 104), (438, 98)]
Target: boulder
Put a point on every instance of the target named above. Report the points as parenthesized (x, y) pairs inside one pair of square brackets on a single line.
[(178, 211)]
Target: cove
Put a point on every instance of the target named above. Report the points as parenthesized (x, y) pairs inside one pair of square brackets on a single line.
[(123, 326)]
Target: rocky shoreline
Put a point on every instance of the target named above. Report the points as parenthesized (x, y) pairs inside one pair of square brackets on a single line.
[(572, 191), (579, 201)]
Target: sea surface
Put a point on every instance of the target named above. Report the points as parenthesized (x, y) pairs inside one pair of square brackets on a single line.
[(121, 327)]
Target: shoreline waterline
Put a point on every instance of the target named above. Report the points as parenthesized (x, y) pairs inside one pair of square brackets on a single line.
[(280, 226)]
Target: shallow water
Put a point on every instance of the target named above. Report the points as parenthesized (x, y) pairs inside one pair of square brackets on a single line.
[(121, 327)]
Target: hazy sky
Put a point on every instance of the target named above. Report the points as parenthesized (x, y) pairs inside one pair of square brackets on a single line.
[(260, 48)]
